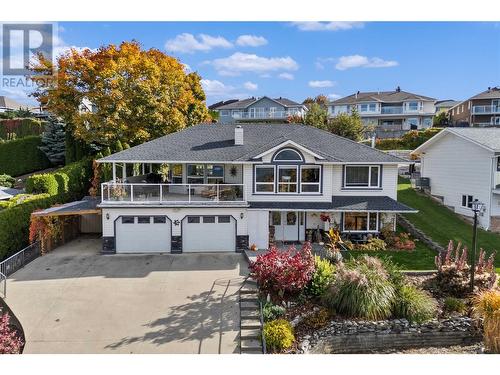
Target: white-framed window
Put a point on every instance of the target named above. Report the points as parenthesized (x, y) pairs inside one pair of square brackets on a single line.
[(496, 120), (177, 173), (224, 112), (412, 106), (195, 173), (264, 179), (412, 122), (360, 222), (368, 107), (310, 178), (362, 176), (467, 201), (287, 178), (236, 113)]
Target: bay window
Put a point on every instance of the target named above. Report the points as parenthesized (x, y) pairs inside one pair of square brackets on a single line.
[(360, 222), (413, 106), (264, 179), (362, 176), (310, 179), (287, 178)]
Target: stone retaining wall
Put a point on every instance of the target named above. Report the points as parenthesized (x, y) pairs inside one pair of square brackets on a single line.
[(368, 336), (417, 233)]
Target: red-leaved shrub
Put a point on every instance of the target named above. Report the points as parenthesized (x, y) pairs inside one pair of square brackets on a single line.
[(10, 343), (284, 273)]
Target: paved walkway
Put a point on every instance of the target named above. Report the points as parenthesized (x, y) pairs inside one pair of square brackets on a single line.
[(74, 300)]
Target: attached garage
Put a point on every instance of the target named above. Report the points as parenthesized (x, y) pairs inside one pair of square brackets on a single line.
[(143, 234), (209, 233)]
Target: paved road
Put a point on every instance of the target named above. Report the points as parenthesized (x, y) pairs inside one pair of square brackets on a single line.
[(74, 300)]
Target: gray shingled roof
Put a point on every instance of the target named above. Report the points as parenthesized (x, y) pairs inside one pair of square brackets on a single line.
[(488, 137), (244, 103), (215, 143), (492, 93), (382, 96), (368, 203), (9, 103), (447, 103), (339, 203)]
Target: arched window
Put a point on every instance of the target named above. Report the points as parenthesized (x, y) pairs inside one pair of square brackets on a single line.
[(288, 154)]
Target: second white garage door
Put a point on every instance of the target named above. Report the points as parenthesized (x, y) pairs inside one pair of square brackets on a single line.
[(208, 233), (143, 234)]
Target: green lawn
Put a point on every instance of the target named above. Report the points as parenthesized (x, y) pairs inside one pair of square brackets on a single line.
[(443, 225)]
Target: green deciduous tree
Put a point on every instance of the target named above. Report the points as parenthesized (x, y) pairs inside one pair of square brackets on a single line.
[(316, 116), (348, 126)]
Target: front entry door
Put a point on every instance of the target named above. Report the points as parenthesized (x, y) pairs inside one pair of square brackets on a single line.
[(288, 225)]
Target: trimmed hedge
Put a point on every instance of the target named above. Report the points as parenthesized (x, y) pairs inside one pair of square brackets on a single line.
[(15, 222), (64, 185), (20, 127), (22, 156)]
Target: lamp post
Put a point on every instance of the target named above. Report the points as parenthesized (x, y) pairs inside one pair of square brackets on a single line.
[(476, 207)]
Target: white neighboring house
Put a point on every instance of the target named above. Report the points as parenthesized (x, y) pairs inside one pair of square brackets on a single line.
[(463, 164), (231, 186)]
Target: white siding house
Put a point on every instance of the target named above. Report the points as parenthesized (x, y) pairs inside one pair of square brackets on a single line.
[(462, 165)]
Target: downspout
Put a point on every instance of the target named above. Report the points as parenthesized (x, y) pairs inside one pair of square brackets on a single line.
[(490, 192)]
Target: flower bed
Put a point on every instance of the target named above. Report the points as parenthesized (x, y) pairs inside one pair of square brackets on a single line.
[(367, 303)]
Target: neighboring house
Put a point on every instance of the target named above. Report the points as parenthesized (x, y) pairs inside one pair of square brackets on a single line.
[(463, 164), (6, 193), (261, 109), (481, 110), (445, 105), (226, 187), (392, 113), (8, 104)]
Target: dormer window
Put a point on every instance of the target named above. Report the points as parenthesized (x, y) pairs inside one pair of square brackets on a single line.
[(288, 155)]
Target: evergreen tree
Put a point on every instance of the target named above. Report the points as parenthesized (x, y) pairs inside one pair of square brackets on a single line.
[(54, 141)]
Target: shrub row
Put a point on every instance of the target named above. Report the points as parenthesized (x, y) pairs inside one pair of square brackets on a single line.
[(22, 156), (70, 182), (66, 184), (20, 128), (408, 141)]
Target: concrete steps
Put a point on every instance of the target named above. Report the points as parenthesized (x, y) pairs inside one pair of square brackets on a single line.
[(250, 323)]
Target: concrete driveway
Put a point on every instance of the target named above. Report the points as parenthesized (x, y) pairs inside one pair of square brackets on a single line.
[(74, 300)]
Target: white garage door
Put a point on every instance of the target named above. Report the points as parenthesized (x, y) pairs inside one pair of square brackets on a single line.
[(208, 233), (143, 234)]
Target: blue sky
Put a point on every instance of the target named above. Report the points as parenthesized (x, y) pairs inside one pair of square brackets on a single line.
[(449, 60)]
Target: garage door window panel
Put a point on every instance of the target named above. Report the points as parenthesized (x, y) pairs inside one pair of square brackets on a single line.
[(159, 219), (224, 219), (209, 219), (193, 219), (128, 219)]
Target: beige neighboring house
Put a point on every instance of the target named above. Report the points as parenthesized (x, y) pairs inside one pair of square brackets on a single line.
[(463, 164), (8, 104), (393, 113)]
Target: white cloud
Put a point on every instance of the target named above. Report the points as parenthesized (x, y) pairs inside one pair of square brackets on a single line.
[(321, 84), (240, 62), (251, 40), (328, 26), (358, 61), (215, 88), (288, 76), (333, 96), (188, 43), (250, 86)]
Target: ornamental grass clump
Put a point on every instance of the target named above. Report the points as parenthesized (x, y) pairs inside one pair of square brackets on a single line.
[(414, 304), (279, 335), (487, 306), (454, 305), (284, 273), (362, 289)]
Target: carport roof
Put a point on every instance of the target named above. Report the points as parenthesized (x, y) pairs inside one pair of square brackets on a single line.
[(88, 205)]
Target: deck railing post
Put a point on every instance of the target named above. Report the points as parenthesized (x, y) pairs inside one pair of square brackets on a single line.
[(131, 192), (161, 193)]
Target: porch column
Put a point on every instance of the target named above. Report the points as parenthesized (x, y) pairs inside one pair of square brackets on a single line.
[(124, 171), (143, 168), (114, 172)]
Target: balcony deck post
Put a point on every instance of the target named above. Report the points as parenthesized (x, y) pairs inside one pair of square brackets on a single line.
[(114, 172)]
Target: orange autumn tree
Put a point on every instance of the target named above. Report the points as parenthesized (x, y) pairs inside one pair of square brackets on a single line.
[(121, 93)]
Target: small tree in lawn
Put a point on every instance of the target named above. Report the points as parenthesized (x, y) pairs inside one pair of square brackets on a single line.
[(348, 126), (10, 342), (54, 141)]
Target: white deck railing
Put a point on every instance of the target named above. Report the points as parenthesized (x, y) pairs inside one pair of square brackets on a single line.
[(142, 193)]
